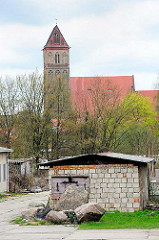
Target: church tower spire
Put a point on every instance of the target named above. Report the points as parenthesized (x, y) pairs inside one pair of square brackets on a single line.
[(56, 56)]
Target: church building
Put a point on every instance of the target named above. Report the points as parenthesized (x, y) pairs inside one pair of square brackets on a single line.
[(56, 55), (56, 63)]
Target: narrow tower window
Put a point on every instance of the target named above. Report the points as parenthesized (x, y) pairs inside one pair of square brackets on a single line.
[(56, 38), (57, 58)]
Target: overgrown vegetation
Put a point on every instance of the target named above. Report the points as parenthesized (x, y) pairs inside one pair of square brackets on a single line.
[(39, 121), (117, 220), (154, 193), (18, 182)]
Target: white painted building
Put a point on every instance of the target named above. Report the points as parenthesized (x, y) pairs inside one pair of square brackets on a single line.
[(4, 169)]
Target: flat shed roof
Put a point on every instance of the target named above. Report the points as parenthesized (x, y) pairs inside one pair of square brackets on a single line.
[(128, 157), (100, 158), (5, 150)]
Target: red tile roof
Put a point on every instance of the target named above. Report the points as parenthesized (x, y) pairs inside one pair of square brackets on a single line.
[(151, 94), (82, 86)]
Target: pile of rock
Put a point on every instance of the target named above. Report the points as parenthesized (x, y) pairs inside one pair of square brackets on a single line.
[(72, 207)]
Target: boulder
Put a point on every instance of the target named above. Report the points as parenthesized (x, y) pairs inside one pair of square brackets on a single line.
[(73, 197), (36, 204), (29, 214), (89, 212), (56, 217)]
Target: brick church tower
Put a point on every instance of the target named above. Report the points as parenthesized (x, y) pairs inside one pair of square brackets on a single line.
[(56, 56)]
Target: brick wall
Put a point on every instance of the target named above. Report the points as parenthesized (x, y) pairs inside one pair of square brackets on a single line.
[(114, 186)]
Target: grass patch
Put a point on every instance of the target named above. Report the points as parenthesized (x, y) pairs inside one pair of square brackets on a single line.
[(39, 221), (117, 220), (22, 222), (19, 221), (34, 222), (6, 195)]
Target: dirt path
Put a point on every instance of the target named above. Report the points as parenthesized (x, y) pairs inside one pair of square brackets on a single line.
[(12, 207)]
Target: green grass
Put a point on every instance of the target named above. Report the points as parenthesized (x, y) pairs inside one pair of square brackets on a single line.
[(6, 195), (34, 222), (40, 222), (19, 220), (117, 220)]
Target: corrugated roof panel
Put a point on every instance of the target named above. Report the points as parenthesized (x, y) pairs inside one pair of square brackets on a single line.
[(109, 155), (128, 157), (5, 150)]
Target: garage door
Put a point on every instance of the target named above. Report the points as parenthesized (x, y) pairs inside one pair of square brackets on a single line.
[(59, 184)]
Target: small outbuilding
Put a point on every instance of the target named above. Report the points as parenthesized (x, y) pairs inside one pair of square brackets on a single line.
[(21, 165), (4, 169), (116, 181)]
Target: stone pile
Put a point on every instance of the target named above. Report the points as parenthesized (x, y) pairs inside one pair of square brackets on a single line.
[(71, 208), (85, 213)]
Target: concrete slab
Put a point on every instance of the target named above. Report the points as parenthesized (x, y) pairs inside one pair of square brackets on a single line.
[(37, 232), (12, 208), (108, 234)]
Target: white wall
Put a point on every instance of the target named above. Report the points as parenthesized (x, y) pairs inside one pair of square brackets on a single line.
[(4, 177)]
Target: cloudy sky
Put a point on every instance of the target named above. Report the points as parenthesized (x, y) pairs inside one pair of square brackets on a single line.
[(107, 37)]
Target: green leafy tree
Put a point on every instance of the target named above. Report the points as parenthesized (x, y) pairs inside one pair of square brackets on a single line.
[(138, 134), (107, 125)]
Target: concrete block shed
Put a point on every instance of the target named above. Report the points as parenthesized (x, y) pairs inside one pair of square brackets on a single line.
[(116, 181)]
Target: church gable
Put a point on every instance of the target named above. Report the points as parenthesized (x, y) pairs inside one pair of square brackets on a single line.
[(56, 39)]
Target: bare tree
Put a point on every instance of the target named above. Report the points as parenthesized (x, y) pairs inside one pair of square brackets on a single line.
[(9, 106)]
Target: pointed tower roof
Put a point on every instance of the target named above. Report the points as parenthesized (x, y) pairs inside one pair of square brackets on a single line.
[(51, 42)]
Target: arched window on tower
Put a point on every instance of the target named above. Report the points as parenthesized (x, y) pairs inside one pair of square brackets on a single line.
[(56, 38), (57, 58), (50, 72), (57, 73), (64, 75)]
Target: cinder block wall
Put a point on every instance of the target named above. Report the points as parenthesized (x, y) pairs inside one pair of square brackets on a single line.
[(115, 186)]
